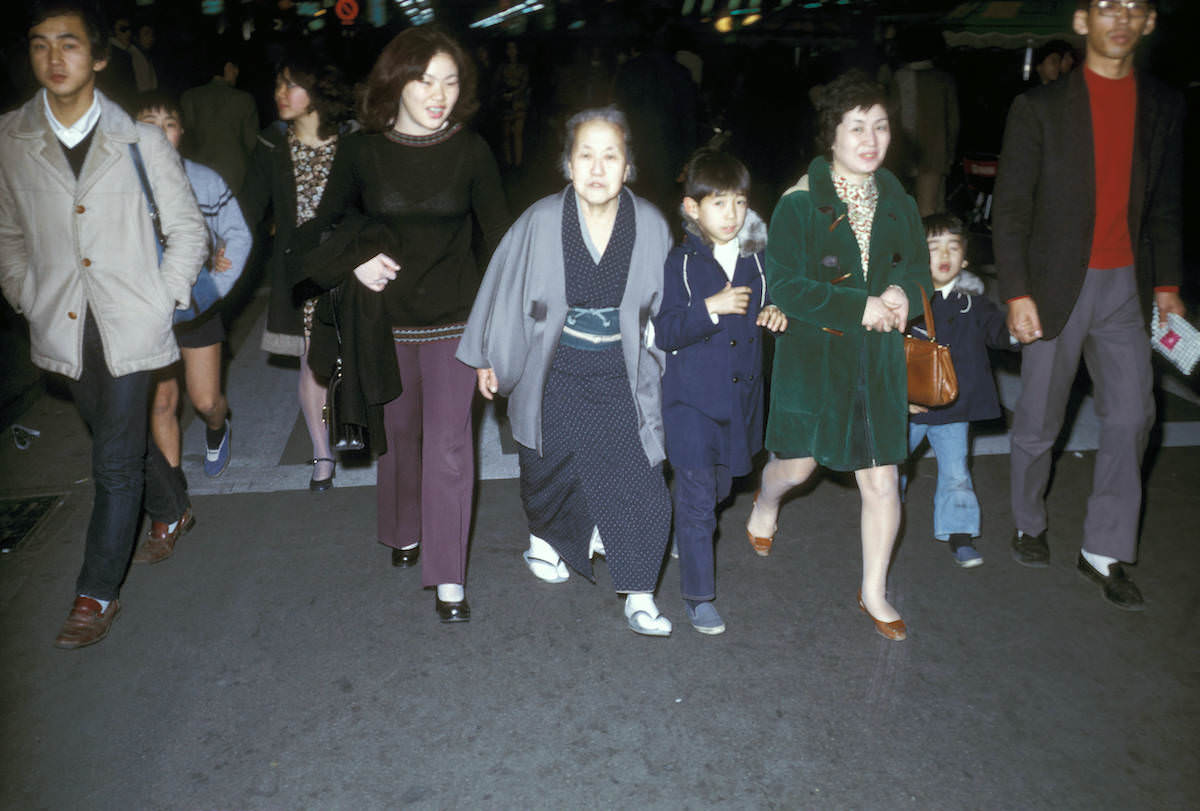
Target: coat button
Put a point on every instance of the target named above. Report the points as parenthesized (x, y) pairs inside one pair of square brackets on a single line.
[(735, 379), (706, 337), (87, 263), (732, 342), (751, 340), (72, 316), (80, 209)]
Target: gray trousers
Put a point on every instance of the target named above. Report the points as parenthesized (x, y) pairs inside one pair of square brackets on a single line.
[(1107, 328)]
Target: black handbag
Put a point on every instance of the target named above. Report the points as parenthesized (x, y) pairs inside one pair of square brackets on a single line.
[(343, 436)]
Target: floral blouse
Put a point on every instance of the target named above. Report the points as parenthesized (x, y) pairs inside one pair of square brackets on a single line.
[(860, 203), (311, 165)]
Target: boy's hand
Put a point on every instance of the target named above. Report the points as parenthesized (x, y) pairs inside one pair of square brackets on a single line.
[(772, 318), (220, 263), (730, 301), (1023, 320), (913, 408)]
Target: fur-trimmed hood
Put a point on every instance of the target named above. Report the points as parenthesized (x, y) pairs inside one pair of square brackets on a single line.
[(968, 282), (752, 237)]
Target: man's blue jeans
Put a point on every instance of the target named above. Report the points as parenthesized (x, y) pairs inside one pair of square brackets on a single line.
[(955, 507), (116, 410)]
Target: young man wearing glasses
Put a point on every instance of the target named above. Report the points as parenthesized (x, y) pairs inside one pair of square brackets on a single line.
[(1087, 237)]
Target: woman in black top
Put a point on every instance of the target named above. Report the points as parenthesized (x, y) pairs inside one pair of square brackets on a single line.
[(414, 185)]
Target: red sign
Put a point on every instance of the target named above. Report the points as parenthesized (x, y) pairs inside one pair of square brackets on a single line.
[(346, 11)]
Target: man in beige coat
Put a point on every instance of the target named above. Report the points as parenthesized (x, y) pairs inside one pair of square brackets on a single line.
[(78, 259)]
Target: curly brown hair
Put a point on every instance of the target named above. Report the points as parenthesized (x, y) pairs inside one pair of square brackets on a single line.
[(404, 60), (850, 91)]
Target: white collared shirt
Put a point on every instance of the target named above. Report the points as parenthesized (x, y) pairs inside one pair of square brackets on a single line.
[(72, 135), (946, 289), (727, 256)]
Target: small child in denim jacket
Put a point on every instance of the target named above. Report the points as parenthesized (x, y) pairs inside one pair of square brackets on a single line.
[(969, 323), (710, 325)]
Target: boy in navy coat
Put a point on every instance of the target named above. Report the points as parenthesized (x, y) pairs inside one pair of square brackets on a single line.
[(969, 323), (714, 306)]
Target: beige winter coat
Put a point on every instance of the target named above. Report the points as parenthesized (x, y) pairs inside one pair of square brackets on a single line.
[(67, 245)]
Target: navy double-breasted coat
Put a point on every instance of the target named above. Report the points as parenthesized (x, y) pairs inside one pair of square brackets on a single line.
[(713, 383)]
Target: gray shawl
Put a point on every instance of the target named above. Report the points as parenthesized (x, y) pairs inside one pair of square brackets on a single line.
[(521, 307)]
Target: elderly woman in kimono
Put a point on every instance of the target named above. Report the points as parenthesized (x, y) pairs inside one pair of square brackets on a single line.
[(561, 326), (845, 257)]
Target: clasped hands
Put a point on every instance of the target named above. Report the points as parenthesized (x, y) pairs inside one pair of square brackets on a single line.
[(732, 300), (376, 272), (887, 311)]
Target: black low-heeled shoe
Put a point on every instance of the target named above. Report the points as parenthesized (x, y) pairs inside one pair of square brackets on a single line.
[(320, 485), (403, 558), (453, 612)]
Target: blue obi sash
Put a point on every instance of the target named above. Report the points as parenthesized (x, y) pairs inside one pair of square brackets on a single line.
[(591, 328)]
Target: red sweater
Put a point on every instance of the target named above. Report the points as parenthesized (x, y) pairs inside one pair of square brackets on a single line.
[(1114, 109)]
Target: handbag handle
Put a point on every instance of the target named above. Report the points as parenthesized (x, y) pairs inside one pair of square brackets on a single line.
[(929, 328)]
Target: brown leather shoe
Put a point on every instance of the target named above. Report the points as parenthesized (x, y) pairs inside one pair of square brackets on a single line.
[(159, 543), (895, 630), (86, 624)]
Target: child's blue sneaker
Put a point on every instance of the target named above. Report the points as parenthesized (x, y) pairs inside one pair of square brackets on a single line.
[(965, 555), (217, 459), (704, 618)]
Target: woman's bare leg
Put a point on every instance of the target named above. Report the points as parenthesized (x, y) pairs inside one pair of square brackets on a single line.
[(778, 478), (880, 490)]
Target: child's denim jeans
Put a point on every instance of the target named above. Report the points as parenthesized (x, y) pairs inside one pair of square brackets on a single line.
[(955, 507)]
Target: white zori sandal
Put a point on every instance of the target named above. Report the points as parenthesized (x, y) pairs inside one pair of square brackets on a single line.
[(544, 562)]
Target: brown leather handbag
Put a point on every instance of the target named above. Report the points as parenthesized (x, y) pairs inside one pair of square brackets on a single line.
[(931, 378)]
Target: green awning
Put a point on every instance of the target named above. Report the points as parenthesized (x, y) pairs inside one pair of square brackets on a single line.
[(1008, 23)]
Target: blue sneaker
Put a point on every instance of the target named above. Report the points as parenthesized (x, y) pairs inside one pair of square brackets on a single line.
[(965, 555), (704, 618), (217, 459)]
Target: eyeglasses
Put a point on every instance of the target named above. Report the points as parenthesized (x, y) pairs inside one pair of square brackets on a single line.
[(1112, 8)]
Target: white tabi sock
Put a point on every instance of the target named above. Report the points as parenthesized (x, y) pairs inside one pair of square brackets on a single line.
[(1099, 562)]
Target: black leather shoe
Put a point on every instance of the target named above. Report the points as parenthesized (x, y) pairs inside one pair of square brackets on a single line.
[(453, 612), (1031, 550), (321, 485), (1118, 588), (403, 558)]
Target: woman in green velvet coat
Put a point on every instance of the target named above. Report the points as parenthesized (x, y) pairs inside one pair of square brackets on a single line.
[(839, 389)]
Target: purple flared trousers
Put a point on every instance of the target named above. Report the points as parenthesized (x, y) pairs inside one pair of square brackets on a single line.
[(426, 479)]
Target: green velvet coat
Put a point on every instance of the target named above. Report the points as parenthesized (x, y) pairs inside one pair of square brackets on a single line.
[(839, 393)]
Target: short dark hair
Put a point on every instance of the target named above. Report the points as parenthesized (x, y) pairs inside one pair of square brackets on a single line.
[(943, 223), (222, 51), (850, 91), (710, 171), (328, 91), (157, 100), (404, 60), (88, 12)]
